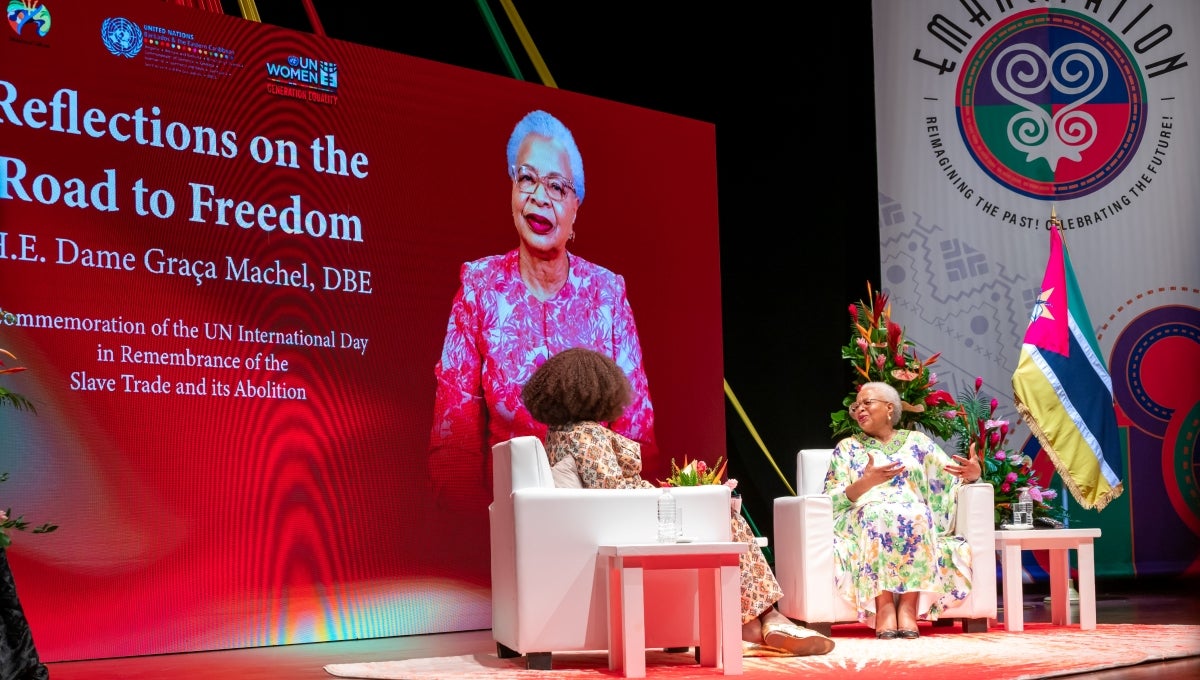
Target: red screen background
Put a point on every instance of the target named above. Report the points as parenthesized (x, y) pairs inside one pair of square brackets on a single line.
[(195, 522)]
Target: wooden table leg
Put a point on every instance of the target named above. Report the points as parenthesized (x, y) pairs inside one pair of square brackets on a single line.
[(1087, 586), (710, 616), (1014, 598), (615, 642), (1060, 592), (731, 620), (633, 622)]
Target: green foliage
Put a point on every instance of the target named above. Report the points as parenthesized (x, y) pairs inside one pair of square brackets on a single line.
[(697, 472), (879, 352), (18, 523), (1008, 472), (8, 523)]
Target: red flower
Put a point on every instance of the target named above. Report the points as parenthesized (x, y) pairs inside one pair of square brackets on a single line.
[(978, 383), (938, 397), (894, 332), (854, 312)]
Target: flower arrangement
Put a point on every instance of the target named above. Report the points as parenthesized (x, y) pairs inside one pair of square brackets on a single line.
[(1007, 472), (9, 523), (879, 352), (696, 473)]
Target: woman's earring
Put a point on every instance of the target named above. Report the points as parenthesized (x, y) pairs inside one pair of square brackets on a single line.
[(572, 236)]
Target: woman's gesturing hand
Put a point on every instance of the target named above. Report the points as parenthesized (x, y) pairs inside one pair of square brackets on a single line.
[(967, 469)]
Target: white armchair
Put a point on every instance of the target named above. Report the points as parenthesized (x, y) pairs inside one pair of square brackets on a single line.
[(804, 551), (548, 582)]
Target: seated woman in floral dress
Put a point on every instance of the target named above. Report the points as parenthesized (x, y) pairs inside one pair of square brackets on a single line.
[(894, 493)]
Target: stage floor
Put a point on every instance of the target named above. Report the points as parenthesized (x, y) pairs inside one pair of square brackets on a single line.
[(306, 662)]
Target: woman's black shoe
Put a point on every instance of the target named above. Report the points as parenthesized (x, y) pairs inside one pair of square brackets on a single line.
[(889, 634), (909, 633)]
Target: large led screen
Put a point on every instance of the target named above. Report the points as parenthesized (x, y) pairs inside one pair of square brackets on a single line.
[(228, 258)]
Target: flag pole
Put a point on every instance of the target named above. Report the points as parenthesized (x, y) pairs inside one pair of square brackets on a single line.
[(1056, 223), (1072, 593)]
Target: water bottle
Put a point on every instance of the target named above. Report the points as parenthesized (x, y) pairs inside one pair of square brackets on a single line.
[(1023, 510), (666, 517)]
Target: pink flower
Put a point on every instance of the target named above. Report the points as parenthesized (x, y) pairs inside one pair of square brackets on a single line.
[(1035, 493), (978, 383), (995, 438), (701, 467), (1005, 487), (1000, 455), (994, 404), (1011, 477), (1049, 494), (854, 312), (880, 361), (731, 483), (1003, 428), (862, 345)]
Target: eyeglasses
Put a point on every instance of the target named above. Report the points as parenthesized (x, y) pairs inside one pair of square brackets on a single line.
[(862, 404), (527, 180)]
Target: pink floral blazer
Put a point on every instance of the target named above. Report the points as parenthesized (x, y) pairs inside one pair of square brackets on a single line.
[(497, 336)]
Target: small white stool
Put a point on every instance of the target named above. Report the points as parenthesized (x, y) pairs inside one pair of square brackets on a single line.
[(719, 582), (1010, 543)]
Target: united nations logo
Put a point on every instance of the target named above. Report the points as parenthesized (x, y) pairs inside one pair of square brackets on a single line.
[(121, 36), (1051, 104)]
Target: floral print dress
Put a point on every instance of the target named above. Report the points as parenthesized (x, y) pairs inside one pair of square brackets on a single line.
[(896, 536), (607, 460)]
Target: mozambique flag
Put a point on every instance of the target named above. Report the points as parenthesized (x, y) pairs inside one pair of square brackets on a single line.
[(1062, 387)]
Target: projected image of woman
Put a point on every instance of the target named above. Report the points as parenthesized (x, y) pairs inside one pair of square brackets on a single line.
[(515, 310)]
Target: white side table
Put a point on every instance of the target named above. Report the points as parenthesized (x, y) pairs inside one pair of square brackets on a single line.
[(719, 599), (1010, 543)]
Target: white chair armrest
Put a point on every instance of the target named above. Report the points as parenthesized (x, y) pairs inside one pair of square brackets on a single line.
[(975, 520), (976, 523), (804, 561)]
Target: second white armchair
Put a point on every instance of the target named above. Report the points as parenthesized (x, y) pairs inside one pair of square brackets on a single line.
[(804, 551)]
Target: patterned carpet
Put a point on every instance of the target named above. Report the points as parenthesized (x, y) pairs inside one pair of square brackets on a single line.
[(1041, 651)]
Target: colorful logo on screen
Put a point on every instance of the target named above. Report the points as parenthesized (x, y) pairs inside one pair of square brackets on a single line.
[(30, 14), (122, 37), (1051, 104), (304, 78)]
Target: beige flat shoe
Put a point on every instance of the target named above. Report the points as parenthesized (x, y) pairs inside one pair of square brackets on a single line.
[(797, 640)]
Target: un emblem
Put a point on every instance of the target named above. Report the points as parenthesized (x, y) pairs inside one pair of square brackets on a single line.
[(122, 37)]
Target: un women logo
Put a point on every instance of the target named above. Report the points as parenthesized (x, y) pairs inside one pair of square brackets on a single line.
[(1051, 104)]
